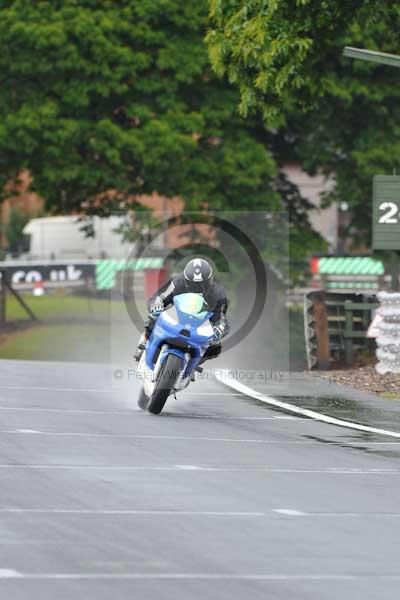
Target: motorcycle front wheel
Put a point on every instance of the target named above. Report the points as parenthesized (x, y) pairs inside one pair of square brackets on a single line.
[(142, 400), (166, 380)]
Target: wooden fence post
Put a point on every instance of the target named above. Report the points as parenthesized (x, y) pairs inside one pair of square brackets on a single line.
[(348, 341), (321, 331)]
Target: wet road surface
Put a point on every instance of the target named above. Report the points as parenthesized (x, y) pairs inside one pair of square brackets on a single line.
[(219, 497)]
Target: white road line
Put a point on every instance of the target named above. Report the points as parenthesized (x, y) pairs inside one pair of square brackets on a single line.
[(192, 438), (305, 412), (140, 413), (197, 468), (289, 512), (158, 437), (9, 574), (217, 393), (57, 389), (177, 513), (101, 391), (222, 417), (27, 431), (366, 515), (212, 576), (70, 410)]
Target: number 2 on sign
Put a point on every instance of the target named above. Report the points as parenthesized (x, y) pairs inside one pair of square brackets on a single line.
[(391, 210)]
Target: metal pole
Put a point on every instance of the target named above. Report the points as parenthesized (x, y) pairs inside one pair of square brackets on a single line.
[(381, 58), (3, 298), (19, 298)]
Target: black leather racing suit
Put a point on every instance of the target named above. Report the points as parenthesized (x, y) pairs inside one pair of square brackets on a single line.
[(216, 300)]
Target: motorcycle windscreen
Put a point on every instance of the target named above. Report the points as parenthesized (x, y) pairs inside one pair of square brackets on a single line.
[(191, 304)]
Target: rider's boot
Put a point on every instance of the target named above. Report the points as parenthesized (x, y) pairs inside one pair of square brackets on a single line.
[(198, 370), (141, 347)]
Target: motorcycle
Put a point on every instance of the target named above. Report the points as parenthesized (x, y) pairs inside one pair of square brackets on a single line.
[(180, 337)]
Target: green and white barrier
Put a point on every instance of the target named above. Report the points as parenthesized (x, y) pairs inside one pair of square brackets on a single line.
[(107, 269)]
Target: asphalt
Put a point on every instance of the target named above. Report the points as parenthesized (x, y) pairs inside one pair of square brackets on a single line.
[(220, 497)]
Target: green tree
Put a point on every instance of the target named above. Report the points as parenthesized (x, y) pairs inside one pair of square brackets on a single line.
[(98, 95), (13, 228), (278, 51), (326, 111)]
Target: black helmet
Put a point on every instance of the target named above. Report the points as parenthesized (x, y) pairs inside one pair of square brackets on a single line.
[(198, 275)]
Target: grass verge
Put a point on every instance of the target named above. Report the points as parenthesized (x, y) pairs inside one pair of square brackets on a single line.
[(69, 328)]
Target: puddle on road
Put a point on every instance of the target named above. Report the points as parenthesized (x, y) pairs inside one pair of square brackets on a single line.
[(348, 410), (359, 443)]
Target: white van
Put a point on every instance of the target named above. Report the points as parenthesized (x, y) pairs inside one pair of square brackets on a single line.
[(61, 238)]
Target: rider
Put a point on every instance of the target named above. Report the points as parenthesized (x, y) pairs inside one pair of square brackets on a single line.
[(197, 277)]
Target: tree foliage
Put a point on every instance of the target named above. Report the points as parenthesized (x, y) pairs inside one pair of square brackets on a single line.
[(327, 111), (12, 229), (98, 95), (279, 51)]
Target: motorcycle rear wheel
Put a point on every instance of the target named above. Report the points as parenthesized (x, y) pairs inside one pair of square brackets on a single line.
[(166, 380)]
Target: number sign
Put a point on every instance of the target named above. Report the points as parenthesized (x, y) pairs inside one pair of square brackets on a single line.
[(386, 213)]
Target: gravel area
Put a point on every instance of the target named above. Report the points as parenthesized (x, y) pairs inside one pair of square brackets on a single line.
[(366, 379)]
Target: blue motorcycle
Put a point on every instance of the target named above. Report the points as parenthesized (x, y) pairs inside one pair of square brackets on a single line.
[(179, 339)]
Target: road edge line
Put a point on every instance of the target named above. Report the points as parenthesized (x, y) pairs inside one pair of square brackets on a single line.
[(305, 412)]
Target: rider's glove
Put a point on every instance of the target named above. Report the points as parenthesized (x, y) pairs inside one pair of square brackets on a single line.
[(157, 307), (218, 332)]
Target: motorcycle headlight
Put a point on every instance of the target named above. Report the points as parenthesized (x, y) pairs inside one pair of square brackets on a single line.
[(205, 330)]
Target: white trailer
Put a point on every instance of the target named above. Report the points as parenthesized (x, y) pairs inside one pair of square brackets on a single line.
[(61, 238)]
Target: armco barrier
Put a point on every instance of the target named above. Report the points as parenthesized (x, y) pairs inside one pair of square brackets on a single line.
[(388, 339)]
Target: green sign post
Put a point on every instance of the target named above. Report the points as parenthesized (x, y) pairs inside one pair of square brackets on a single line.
[(386, 213)]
